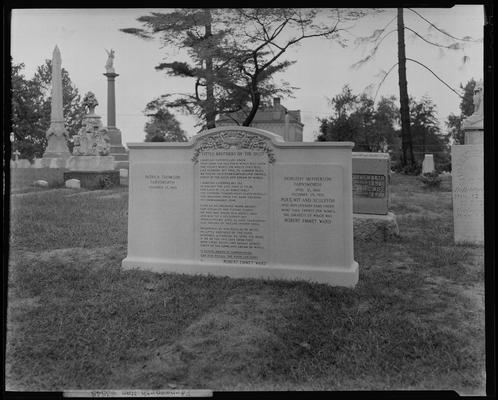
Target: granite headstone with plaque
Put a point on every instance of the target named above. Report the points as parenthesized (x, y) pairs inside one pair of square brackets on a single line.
[(241, 202), (370, 183), (371, 178)]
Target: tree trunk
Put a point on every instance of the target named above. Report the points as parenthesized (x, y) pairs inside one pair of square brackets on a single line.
[(256, 99), (406, 137), (210, 102)]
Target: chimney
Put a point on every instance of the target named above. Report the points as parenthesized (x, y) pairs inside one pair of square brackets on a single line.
[(276, 102)]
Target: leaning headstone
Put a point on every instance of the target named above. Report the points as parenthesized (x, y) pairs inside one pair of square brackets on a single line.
[(428, 164), (73, 184), (468, 177), (40, 183), (243, 203)]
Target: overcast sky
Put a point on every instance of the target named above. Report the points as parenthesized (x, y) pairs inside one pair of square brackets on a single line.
[(322, 69)]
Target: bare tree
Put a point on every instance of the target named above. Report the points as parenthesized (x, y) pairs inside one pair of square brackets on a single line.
[(377, 38)]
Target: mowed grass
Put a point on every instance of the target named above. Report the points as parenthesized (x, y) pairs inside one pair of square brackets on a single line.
[(76, 320)]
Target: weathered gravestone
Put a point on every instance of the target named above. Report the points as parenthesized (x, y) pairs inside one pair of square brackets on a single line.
[(240, 202), (467, 173)]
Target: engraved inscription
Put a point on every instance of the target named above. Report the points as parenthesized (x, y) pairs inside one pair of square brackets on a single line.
[(308, 201), (369, 185), (162, 181), (233, 206)]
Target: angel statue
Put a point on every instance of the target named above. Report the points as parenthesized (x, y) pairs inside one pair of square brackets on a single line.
[(109, 68)]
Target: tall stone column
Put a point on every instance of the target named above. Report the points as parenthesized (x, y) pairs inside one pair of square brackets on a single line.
[(117, 149), (56, 133)]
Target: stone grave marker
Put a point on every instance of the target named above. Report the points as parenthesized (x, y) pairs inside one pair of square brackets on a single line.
[(241, 202), (370, 183), (468, 193), (40, 183), (73, 184), (428, 164), (467, 176)]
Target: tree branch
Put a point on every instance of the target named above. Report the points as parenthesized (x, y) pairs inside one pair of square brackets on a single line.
[(465, 39), (382, 81), (419, 63), (452, 47)]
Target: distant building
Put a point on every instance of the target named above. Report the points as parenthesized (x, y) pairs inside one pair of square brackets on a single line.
[(273, 118)]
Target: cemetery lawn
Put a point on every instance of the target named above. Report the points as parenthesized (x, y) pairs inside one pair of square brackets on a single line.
[(76, 320)]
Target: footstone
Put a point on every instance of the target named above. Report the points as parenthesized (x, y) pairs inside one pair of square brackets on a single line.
[(41, 183), (377, 228), (370, 183), (243, 203), (73, 184), (94, 179), (468, 193)]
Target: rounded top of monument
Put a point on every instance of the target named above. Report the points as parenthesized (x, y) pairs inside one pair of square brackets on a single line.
[(233, 133)]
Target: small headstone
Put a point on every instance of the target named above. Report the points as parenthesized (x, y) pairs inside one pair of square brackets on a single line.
[(123, 173), (40, 183), (428, 164), (73, 184)]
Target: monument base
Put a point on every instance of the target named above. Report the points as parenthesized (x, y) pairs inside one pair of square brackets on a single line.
[(91, 163), (94, 179), (329, 275), (51, 162), (371, 227), (118, 151)]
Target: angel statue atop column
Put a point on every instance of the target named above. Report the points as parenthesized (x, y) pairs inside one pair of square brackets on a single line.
[(109, 68)]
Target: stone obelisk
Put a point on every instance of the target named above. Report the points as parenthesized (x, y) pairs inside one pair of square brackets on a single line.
[(56, 133), (117, 149)]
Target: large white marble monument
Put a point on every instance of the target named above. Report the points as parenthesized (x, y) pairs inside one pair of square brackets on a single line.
[(241, 202), (56, 133), (467, 173)]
